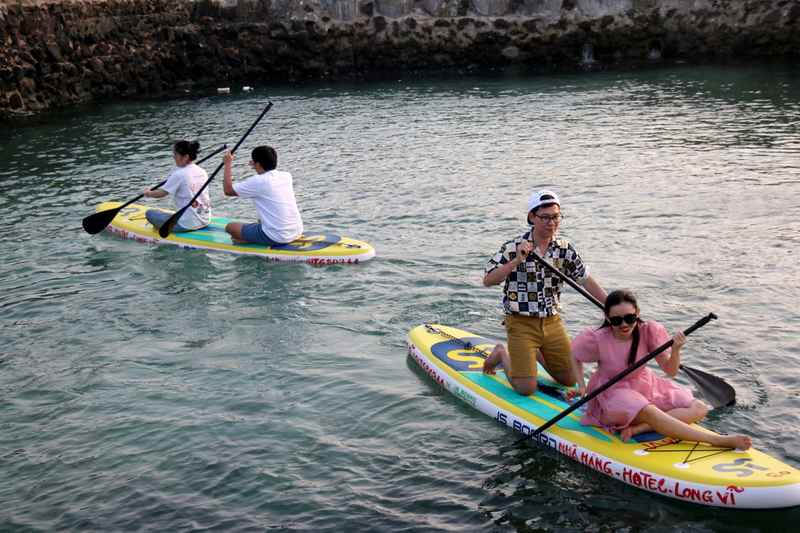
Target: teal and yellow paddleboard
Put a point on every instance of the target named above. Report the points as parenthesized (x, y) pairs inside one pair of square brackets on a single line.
[(311, 247), (687, 471)]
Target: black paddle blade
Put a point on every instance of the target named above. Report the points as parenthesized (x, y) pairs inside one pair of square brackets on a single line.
[(166, 229), (97, 222), (714, 389)]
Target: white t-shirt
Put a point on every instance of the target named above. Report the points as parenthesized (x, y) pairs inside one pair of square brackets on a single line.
[(273, 197), (184, 184)]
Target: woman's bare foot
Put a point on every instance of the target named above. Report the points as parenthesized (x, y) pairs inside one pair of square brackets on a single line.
[(741, 442), (634, 429)]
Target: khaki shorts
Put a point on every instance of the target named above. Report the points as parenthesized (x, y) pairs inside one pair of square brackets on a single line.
[(526, 334)]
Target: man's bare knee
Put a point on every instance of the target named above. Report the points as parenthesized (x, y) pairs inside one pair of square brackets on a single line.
[(525, 386)]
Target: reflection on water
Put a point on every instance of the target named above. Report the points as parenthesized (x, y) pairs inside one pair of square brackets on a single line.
[(153, 388)]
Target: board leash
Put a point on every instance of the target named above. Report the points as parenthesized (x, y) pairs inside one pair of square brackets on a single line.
[(466, 344), (337, 243)]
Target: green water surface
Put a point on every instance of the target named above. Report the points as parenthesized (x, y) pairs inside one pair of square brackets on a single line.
[(149, 388)]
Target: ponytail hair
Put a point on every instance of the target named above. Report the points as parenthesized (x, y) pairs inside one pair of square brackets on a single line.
[(187, 148), (616, 298)]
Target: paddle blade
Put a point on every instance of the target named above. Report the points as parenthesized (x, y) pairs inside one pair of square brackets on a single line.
[(166, 229), (97, 222), (714, 389)]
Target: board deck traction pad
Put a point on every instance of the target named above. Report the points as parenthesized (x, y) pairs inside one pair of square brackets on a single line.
[(460, 355), (130, 222)]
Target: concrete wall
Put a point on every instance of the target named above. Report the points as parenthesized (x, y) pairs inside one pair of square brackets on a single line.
[(57, 53)]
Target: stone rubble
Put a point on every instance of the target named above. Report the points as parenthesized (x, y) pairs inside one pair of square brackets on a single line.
[(58, 53)]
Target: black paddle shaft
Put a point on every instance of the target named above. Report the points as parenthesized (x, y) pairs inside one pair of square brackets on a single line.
[(643, 361), (166, 229), (565, 278)]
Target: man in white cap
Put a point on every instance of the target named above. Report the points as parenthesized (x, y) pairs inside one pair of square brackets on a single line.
[(531, 298)]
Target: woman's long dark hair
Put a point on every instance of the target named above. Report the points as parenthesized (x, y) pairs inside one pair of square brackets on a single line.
[(616, 298)]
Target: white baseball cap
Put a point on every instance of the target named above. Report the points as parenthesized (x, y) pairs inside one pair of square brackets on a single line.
[(539, 198)]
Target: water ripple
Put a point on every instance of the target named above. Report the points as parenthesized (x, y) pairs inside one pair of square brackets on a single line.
[(152, 388)]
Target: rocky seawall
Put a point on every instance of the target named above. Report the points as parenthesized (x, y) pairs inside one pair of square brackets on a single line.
[(57, 53)]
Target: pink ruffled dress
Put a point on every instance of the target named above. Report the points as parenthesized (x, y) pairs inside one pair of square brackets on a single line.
[(616, 407)]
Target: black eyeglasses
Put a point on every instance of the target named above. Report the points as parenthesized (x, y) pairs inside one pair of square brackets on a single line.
[(555, 218), (616, 321)]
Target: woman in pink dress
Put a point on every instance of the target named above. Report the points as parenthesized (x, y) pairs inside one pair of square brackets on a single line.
[(641, 401)]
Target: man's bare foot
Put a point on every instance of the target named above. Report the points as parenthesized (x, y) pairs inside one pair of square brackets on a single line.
[(741, 442), (492, 361), (634, 429)]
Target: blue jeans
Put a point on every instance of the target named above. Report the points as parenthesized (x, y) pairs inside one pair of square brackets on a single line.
[(159, 218), (255, 233)]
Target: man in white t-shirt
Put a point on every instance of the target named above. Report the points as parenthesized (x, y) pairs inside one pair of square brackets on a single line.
[(273, 196)]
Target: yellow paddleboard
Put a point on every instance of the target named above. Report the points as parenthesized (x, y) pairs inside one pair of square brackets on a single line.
[(311, 247), (687, 471)]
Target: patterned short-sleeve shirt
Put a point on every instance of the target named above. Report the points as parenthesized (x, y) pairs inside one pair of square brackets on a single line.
[(531, 289)]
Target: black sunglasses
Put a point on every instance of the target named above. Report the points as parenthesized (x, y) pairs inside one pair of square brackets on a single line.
[(617, 320)]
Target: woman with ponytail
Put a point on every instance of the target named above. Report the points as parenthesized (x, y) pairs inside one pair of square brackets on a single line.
[(183, 184), (641, 401)]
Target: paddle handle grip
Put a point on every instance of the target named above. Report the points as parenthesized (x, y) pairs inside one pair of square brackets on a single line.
[(252, 127)]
